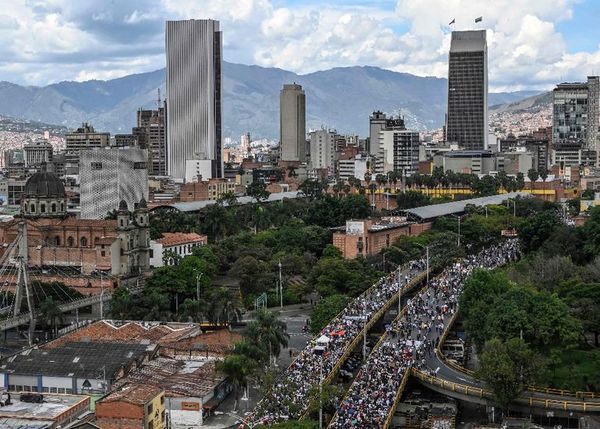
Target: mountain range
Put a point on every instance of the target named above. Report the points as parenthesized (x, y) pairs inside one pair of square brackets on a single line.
[(340, 98)]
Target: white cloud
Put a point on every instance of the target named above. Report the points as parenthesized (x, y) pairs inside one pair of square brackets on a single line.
[(50, 40)]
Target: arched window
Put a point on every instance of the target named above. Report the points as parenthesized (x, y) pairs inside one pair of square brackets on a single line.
[(62, 207), (42, 208), (57, 241), (83, 242), (70, 241), (53, 208), (33, 208)]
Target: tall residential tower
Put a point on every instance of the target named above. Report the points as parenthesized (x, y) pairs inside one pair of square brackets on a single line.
[(467, 119), (292, 123), (194, 96)]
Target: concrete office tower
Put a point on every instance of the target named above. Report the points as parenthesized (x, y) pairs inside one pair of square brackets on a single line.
[(322, 148), (292, 123), (151, 135), (109, 175), (83, 138), (377, 123), (194, 96), (467, 117), (37, 152)]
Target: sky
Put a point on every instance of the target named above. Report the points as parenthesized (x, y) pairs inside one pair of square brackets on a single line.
[(532, 44)]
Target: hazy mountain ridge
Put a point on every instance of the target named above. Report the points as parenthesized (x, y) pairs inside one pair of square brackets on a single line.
[(341, 97)]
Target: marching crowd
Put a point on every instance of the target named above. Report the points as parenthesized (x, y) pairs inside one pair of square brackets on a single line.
[(410, 340), (290, 396)]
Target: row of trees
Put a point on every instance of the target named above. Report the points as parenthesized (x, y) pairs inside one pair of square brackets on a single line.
[(530, 319)]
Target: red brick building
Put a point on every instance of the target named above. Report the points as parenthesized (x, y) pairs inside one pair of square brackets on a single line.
[(74, 251), (133, 406), (369, 237)]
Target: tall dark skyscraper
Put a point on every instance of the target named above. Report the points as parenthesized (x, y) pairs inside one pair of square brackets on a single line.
[(467, 119), (194, 96)]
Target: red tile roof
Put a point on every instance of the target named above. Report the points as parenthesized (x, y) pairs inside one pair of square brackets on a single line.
[(177, 238)]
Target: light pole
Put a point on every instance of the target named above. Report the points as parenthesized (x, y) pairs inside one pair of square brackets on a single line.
[(320, 351), (198, 277), (280, 287)]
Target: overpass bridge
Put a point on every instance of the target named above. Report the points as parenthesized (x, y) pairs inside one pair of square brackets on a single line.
[(345, 331), (399, 356)]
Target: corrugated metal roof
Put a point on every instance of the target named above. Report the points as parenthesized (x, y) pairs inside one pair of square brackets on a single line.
[(193, 206), (437, 210)]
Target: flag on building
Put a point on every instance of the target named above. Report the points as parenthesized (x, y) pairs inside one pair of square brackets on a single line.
[(452, 22), (479, 19)]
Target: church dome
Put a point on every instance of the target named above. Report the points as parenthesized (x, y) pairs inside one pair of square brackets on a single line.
[(44, 184)]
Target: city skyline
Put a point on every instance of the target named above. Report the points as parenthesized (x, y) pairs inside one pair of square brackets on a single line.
[(532, 44)]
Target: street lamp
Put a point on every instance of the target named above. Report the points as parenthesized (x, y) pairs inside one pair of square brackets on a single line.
[(280, 287), (320, 351), (198, 277), (427, 256)]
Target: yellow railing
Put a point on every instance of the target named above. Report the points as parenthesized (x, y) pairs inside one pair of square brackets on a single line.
[(530, 400), (349, 348), (415, 281), (532, 389)]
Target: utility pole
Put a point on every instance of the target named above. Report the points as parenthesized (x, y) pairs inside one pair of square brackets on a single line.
[(198, 277), (364, 335), (280, 287), (427, 252), (101, 297), (399, 293), (458, 238)]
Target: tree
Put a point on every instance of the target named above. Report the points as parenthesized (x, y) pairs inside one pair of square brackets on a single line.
[(520, 181), (533, 175), (591, 233), (228, 199), (584, 302), (312, 188), (508, 368), (269, 332), (50, 312), (536, 229), (258, 191), (325, 310), (121, 303), (237, 368), (543, 174), (411, 199)]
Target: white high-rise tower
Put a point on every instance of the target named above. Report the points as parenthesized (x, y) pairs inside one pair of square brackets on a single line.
[(194, 96)]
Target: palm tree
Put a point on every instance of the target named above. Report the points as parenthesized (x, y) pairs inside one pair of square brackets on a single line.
[(237, 368), (269, 332), (50, 312), (230, 306)]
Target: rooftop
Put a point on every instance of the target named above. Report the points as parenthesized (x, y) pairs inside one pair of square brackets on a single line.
[(189, 378), (134, 393), (437, 210), (77, 359), (49, 410), (169, 239), (193, 206)]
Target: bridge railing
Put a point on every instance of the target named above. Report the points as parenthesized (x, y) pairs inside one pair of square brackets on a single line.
[(388, 420), (532, 389), (532, 401)]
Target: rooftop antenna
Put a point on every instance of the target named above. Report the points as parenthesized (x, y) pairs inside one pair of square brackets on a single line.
[(158, 102)]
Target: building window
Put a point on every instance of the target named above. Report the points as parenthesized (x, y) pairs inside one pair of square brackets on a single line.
[(83, 242), (62, 207), (43, 208), (151, 253), (57, 241), (103, 253), (33, 208), (53, 208), (96, 165), (70, 241), (150, 409)]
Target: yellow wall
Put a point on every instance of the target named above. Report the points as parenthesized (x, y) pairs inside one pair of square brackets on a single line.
[(158, 412)]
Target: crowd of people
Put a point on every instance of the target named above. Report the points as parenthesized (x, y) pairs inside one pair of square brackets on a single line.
[(410, 339), (289, 397)]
